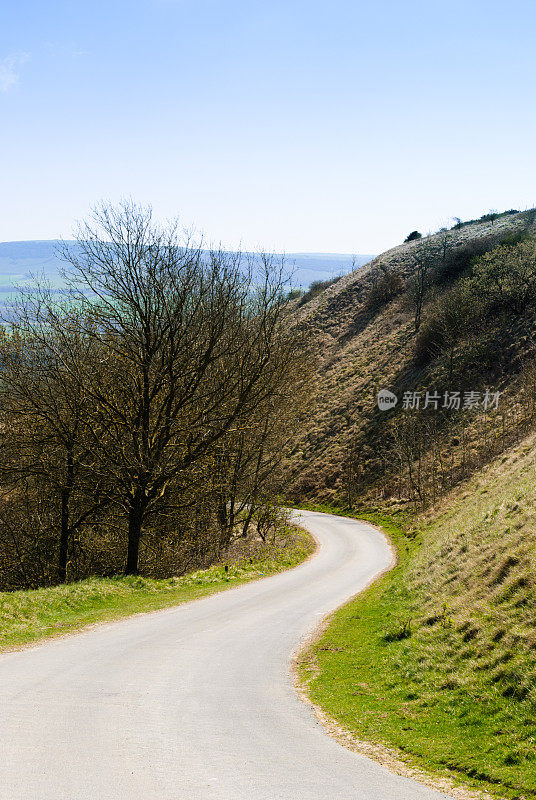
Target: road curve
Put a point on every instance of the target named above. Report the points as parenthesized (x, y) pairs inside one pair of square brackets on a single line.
[(194, 702)]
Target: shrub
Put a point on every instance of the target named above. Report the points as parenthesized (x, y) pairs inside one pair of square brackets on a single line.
[(444, 325), (505, 278), (514, 238), (529, 217), (458, 260), (386, 286), (413, 236), (316, 287), (293, 294)]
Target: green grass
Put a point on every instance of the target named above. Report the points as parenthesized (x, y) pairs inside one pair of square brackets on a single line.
[(391, 671), (28, 616)]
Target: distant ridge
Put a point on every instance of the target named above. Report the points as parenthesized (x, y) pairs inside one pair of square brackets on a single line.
[(19, 259)]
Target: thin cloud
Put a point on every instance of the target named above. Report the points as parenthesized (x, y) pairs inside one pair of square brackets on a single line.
[(10, 70)]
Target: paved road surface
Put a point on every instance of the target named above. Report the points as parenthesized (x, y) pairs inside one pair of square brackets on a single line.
[(195, 702)]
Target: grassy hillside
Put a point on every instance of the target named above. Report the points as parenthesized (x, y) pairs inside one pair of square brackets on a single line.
[(439, 658), (365, 327)]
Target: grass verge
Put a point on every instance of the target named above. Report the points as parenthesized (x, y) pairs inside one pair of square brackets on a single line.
[(29, 616), (389, 677)]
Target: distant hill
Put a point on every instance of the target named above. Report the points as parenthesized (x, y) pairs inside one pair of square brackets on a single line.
[(311, 267), (19, 260)]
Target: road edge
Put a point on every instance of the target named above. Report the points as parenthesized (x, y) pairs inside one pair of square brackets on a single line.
[(88, 627), (389, 757)]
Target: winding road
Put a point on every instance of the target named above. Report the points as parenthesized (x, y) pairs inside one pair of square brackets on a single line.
[(194, 702)]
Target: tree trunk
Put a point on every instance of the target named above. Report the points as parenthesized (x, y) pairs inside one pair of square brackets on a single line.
[(135, 521), (64, 536), (65, 530), (249, 516), (224, 522)]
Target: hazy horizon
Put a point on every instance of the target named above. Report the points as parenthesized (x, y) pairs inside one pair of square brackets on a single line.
[(21, 258)]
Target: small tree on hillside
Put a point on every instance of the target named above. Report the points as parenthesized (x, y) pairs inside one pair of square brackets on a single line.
[(424, 259), (448, 320), (387, 284), (505, 278)]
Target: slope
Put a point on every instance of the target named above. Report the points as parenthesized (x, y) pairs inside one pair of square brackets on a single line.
[(439, 660), (349, 448)]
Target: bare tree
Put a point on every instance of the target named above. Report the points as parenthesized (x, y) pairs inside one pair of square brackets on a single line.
[(185, 347), (425, 259), (251, 461), (409, 445), (43, 412)]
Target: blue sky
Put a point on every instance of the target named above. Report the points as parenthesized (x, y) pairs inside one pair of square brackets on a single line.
[(297, 126)]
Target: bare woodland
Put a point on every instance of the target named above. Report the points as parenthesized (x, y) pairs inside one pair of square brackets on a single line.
[(146, 411)]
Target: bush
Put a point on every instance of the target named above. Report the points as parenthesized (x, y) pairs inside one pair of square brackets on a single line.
[(514, 238), (386, 286), (316, 287), (413, 236), (444, 325), (490, 217), (293, 294), (458, 260), (529, 217), (505, 278)]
